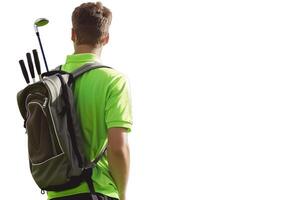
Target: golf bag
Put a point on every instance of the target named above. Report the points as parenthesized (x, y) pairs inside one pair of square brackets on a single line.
[(55, 143)]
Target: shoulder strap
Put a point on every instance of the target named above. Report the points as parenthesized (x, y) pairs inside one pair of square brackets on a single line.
[(58, 68), (77, 73), (93, 163), (87, 67)]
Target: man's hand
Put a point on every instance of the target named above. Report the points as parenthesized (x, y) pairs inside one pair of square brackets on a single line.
[(118, 158)]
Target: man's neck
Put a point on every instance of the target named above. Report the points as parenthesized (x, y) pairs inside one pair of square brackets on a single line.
[(83, 48)]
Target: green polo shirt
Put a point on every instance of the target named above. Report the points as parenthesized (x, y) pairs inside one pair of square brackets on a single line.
[(102, 101)]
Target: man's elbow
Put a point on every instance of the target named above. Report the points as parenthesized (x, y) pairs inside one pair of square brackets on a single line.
[(120, 151)]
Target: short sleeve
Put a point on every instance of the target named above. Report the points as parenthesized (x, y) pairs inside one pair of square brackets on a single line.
[(118, 104)]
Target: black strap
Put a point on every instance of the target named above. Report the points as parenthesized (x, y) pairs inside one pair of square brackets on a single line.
[(75, 181), (70, 121), (87, 176), (95, 161), (52, 72), (77, 73), (101, 154), (84, 196), (58, 68), (87, 67)]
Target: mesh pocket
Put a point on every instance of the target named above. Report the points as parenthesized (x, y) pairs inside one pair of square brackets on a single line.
[(42, 141)]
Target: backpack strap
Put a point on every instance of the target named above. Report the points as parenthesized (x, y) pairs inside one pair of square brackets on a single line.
[(88, 171), (77, 73), (93, 163), (87, 67), (100, 155), (58, 68), (84, 68)]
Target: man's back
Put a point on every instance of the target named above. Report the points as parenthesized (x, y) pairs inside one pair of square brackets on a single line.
[(102, 102)]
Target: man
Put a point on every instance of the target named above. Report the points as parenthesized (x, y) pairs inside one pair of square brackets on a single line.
[(103, 104)]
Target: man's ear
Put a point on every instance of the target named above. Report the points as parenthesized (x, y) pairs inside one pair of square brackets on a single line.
[(104, 39), (73, 35)]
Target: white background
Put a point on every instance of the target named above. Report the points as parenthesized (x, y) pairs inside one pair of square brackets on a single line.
[(215, 91)]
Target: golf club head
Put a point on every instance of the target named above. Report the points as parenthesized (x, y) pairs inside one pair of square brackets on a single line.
[(40, 22)]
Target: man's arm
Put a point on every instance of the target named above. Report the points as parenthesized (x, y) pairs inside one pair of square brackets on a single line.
[(118, 158)]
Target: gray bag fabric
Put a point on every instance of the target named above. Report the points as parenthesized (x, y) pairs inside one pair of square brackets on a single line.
[(55, 147)]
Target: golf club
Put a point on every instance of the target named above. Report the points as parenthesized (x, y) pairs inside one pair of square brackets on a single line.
[(30, 64), (38, 23), (37, 62), (24, 71)]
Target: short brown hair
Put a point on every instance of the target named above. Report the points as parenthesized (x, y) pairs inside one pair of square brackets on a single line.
[(91, 21)]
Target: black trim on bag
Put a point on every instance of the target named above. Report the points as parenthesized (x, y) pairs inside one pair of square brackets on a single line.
[(70, 120), (84, 196), (75, 181), (53, 72)]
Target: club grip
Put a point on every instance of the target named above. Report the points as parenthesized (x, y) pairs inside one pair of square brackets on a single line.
[(36, 61), (24, 71), (30, 64)]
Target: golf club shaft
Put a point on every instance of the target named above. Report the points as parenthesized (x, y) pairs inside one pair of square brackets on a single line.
[(24, 71), (38, 35), (30, 65), (37, 62)]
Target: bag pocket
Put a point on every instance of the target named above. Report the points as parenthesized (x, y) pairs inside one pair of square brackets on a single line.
[(42, 140), (51, 172)]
